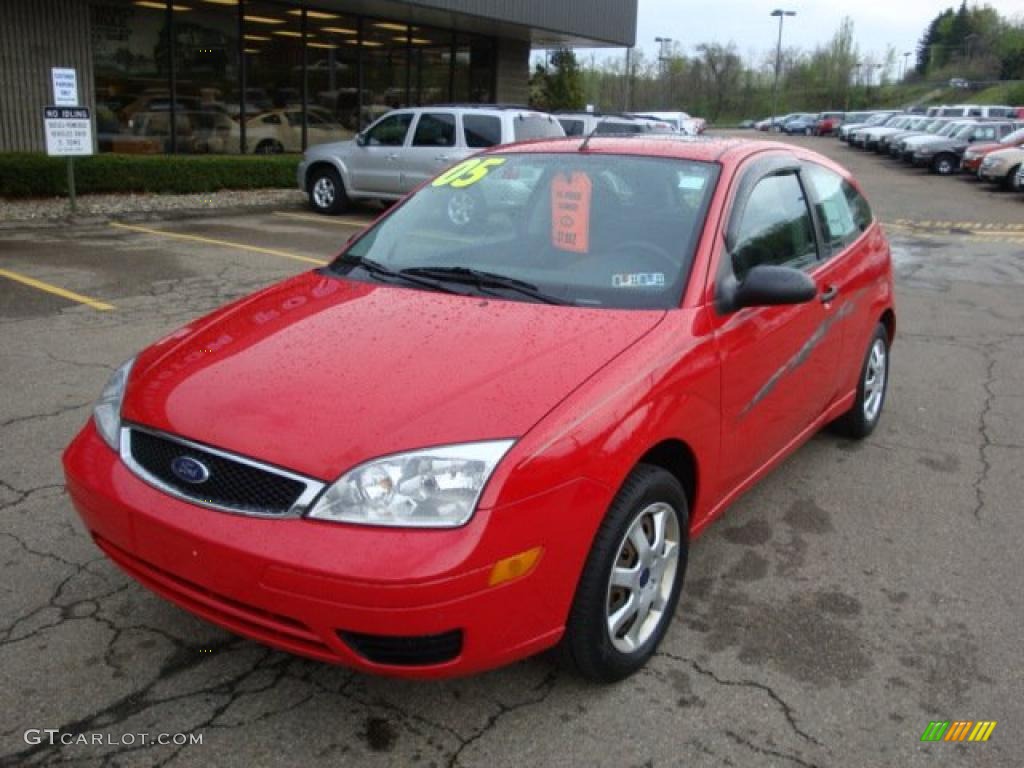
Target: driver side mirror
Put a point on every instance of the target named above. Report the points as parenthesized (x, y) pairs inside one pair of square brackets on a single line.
[(765, 286), (361, 139)]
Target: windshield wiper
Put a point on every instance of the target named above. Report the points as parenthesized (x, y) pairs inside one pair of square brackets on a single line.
[(484, 280), (382, 272)]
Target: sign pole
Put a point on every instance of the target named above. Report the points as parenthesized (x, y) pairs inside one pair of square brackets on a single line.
[(71, 184)]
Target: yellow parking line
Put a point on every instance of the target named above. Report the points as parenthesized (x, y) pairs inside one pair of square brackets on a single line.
[(213, 241), (56, 290), (348, 221)]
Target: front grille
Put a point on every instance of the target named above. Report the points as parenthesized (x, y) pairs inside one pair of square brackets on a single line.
[(234, 484), (406, 651)]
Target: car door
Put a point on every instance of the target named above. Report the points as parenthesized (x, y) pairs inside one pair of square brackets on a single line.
[(778, 362), (843, 218), (432, 149), (373, 163)]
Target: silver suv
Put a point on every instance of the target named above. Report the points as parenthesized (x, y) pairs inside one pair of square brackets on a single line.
[(405, 147)]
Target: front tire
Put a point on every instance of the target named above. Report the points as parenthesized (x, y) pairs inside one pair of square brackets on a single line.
[(326, 191), (862, 418), (1010, 181), (629, 589)]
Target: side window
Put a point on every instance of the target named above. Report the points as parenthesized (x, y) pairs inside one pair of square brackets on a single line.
[(776, 227), (435, 129), (985, 134), (272, 119), (841, 219), (389, 132), (571, 127), (481, 130)]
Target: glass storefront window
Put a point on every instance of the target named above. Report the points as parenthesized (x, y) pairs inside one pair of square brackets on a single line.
[(296, 77), (431, 52), (474, 70), (206, 79), (273, 77), (332, 74), (385, 52), (131, 69)]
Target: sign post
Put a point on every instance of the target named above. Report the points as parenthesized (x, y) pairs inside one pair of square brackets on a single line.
[(68, 126)]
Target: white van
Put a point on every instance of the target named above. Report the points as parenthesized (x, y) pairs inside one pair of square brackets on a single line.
[(679, 121)]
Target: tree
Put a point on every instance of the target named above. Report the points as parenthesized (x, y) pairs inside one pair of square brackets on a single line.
[(562, 85), (723, 67)]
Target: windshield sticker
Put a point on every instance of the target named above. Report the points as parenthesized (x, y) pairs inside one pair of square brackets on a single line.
[(468, 172), (639, 280), (570, 212)]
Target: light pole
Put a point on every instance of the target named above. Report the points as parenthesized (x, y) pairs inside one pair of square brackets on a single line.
[(906, 61), (663, 52), (778, 61)]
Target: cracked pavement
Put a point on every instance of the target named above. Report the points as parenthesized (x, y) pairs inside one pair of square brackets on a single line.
[(859, 592)]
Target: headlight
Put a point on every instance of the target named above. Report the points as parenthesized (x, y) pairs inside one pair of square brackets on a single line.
[(107, 411), (431, 488), (925, 151)]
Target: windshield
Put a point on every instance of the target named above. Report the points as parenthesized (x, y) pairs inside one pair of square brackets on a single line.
[(965, 132), (611, 231)]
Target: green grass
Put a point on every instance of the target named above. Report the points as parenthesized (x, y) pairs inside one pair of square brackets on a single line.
[(36, 175)]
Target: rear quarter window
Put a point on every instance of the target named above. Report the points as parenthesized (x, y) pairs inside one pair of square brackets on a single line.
[(526, 127), (481, 130)]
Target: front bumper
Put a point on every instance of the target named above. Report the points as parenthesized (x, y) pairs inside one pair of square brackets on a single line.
[(992, 172), (303, 586)]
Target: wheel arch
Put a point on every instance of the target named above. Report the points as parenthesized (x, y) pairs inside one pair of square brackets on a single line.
[(888, 319), (326, 163), (678, 459)]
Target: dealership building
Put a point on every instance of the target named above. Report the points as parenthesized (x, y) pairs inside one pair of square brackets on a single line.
[(230, 76)]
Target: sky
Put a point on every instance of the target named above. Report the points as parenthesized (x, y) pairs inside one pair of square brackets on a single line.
[(877, 23)]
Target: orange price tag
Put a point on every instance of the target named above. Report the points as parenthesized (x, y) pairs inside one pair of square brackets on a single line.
[(570, 212)]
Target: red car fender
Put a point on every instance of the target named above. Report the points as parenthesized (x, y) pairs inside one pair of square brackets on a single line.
[(658, 391)]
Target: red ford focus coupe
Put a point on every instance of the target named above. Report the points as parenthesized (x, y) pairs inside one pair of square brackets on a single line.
[(496, 420)]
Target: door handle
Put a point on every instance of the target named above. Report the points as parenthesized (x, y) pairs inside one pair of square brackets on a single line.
[(393, 157), (828, 294), (442, 158)]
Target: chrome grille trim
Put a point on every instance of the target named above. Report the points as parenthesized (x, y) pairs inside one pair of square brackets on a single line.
[(313, 488)]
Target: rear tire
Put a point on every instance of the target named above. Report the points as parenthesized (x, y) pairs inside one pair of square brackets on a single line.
[(944, 165), (326, 191), (630, 585), (866, 411)]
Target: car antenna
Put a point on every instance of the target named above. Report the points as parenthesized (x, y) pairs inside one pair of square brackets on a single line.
[(590, 135)]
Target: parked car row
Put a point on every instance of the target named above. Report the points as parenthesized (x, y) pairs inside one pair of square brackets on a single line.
[(989, 146), (832, 122)]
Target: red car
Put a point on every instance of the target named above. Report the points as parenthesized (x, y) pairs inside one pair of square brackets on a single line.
[(976, 153), (495, 422)]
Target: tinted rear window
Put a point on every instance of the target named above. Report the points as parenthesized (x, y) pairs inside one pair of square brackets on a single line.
[(482, 130), (536, 127)]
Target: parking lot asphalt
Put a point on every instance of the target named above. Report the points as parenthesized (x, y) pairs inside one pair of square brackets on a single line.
[(859, 592)]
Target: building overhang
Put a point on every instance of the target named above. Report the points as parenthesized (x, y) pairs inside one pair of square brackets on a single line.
[(542, 23)]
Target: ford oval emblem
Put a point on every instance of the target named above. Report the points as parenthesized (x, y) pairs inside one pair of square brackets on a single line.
[(190, 470)]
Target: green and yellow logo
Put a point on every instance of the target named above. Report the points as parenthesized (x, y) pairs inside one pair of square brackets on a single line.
[(958, 730)]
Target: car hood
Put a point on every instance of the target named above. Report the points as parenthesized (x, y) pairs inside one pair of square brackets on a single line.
[(318, 374), (917, 141), (1008, 155)]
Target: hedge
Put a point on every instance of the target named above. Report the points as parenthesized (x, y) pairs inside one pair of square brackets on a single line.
[(37, 175)]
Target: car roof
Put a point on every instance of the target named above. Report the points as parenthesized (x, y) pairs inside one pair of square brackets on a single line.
[(668, 145)]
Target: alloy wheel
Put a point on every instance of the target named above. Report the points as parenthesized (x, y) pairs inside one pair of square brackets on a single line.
[(324, 192), (643, 577), (874, 380)]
